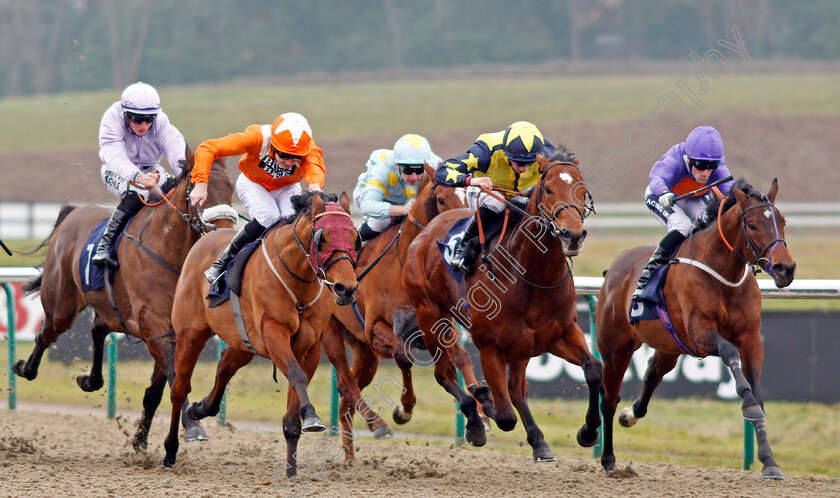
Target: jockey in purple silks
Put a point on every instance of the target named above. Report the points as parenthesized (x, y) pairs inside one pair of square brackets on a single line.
[(686, 167)]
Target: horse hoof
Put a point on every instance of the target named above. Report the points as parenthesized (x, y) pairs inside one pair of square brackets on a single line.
[(169, 461), (475, 435), (543, 454), (587, 438), (20, 370), (313, 424), (195, 433), (608, 463), (753, 413), (383, 432), (772, 472), (626, 418), (140, 445), (86, 385), (191, 412), (401, 417)]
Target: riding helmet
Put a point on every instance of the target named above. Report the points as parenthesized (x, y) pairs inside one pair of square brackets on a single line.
[(291, 134), (140, 98), (412, 149), (704, 144), (522, 142)]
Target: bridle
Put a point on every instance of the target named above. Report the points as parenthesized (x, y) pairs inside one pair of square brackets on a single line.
[(548, 220), (758, 255), (320, 270)]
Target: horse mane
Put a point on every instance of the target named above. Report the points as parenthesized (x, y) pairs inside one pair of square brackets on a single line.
[(563, 154), (303, 202), (709, 216)]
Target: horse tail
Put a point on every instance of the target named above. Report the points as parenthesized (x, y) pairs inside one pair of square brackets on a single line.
[(33, 285), (65, 210)]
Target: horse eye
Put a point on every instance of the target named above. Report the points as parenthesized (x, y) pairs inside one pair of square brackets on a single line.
[(751, 226), (548, 190), (440, 201)]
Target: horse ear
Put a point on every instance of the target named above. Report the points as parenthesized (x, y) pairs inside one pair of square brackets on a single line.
[(317, 203), (344, 200), (543, 162), (430, 171), (740, 196), (774, 189)]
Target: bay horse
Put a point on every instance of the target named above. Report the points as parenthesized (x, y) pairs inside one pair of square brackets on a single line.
[(283, 313), (381, 300), (714, 304), (154, 246), (521, 302)]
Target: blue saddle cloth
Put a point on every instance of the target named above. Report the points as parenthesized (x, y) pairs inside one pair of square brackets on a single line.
[(652, 306), (93, 276), (450, 242)]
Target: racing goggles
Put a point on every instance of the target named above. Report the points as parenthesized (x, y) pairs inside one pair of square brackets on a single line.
[(412, 169), (140, 118), (703, 165)]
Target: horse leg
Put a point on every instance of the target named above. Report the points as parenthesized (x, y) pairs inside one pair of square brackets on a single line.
[(295, 411), (615, 361), (572, 348), (408, 400), (94, 381), (164, 351), (231, 361), (437, 335), (151, 401), (189, 344), (518, 387), (495, 371), (50, 330), (658, 365), (365, 363), (479, 390), (277, 340), (749, 388)]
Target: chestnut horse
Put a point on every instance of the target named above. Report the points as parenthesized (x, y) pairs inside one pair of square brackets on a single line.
[(284, 310), (714, 304), (381, 299), (518, 309), (153, 249)]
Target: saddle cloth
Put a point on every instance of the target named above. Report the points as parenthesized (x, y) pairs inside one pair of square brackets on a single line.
[(93, 276)]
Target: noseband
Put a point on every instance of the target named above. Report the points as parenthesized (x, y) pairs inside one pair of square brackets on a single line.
[(758, 255), (547, 219)]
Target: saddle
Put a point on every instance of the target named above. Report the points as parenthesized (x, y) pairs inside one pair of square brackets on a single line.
[(93, 276), (473, 247)]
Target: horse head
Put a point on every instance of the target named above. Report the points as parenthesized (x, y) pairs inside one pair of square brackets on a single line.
[(441, 198), (563, 199), (333, 244), (763, 233)]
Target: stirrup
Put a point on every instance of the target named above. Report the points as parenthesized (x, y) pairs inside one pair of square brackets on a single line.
[(104, 259), (213, 274)]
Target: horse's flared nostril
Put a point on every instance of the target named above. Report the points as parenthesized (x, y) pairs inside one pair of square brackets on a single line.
[(582, 235), (340, 289)]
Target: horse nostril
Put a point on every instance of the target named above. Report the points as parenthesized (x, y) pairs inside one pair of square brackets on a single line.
[(582, 235), (339, 288)]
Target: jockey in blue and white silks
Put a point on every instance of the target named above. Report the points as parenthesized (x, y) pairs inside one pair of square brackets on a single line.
[(686, 167), (386, 190)]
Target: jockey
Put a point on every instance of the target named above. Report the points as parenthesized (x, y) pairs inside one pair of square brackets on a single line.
[(275, 158), (385, 191), (686, 167), (133, 136), (505, 159)]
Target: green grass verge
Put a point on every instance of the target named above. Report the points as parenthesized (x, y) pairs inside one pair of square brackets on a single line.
[(686, 431), (355, 109)]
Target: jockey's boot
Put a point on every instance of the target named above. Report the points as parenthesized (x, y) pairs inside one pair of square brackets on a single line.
[(660, 257), (366, 232), (249, 233), (130, 204), (459, 260)]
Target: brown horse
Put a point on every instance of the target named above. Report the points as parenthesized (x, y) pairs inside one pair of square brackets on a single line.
[(284, 311), (382, 300), (518, 310), (154, 247), (714, 304)]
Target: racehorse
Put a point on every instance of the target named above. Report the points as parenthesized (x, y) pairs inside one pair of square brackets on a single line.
[(155, 244), (714, 304), (517, 309), (283, 311), (381, 301)]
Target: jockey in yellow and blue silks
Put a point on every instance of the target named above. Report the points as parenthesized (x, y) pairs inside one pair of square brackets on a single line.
[(386, 190), (505, 159)]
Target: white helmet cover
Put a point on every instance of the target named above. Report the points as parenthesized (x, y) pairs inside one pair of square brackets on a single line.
[(140, 98)]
